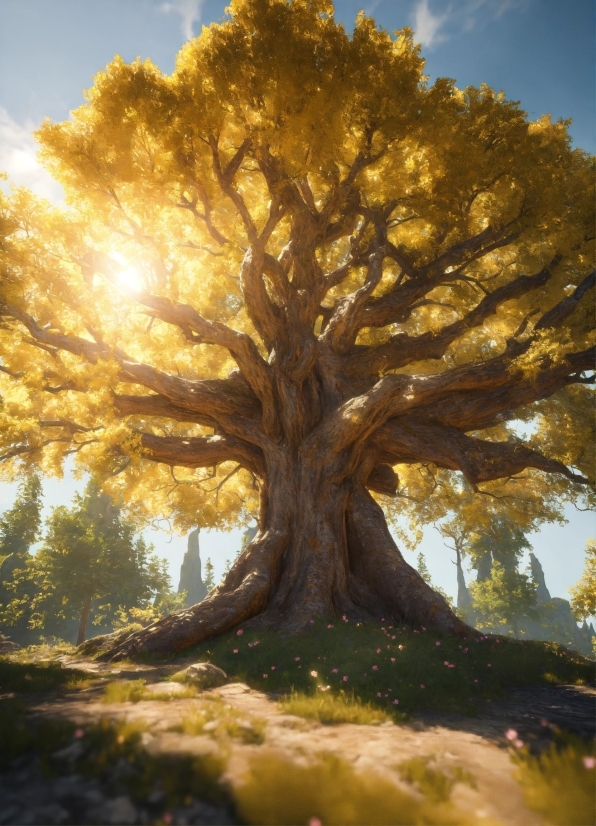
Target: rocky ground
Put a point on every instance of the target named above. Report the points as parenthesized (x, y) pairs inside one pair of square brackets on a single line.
[(29, 795)]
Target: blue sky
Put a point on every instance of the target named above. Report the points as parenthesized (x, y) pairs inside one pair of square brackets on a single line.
[(540, 52)]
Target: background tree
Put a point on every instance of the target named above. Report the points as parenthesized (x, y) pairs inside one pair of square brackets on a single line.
[(583, 595), (89, 554), (295, 263), (19, 529), (503, 598), (422, 568), (209, 575)]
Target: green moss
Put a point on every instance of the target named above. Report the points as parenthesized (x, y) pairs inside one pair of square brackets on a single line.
[(336, 708), (558, 784)]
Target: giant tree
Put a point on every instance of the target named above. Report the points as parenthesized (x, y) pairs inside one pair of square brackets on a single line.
[(283, 271)]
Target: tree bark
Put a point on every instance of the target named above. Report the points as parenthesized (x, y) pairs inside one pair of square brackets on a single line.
[(82, 635), (323, 550)]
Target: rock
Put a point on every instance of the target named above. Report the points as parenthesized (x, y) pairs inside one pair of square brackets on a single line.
[(71, 752), (7, 646), (7, 814), (203, 675), (165, 688), (118, 810), (48, 815)]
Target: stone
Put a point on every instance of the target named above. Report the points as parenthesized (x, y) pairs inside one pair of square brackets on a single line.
[(48, 815), (203, 675), (71, 752), (117, 811), (165, 688)]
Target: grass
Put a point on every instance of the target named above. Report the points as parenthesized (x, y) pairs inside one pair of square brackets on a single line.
[(34, 677), (133, 691), (380, 663), (558, 783), (337, 708), (44, 651), (280, 793), (434, 784), (220, 720)]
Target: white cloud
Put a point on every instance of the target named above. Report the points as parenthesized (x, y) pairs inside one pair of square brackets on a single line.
[(427, 25), (189, 11), (18, 151)]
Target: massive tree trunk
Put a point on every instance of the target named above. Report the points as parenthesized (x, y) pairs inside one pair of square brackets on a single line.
[(323, 550)]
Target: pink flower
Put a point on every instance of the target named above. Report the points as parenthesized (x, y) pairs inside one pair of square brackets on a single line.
[(314, 821), (382, 619), (378, 650), (437, 643), (451, 665), (167, 817), (415, 631), (488, 665), (273, 668), (297, 658), (497, 640), (345, 679), (334, 670), (393, 637), (589, 762), (344, 618), (446, 662), (378, 693), (396, 702), (511, 734), (391, 628), (375, 667), (265, 676), (240, 632), (401, 648), (79, 733), (518, 743), (422, 686), (312, 622), (392, 659), (475, 681), (465, 649), (423, 628), (235, 651), (330, 626), (314, 673)]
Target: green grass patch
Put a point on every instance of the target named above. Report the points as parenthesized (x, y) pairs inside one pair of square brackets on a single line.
[(280, 793), (124, 691), (433, 783), (220, 720), (391, 667), (336, 708), (44, 651), (560, 783), (34, 677)]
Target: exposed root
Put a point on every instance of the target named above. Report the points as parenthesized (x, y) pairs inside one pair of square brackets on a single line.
[(383, 579)]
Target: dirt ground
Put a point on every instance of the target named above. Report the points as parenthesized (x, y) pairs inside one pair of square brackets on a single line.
[(476, 744)]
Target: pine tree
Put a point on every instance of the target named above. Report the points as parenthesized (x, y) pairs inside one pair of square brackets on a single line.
[(583, 595), (209, 575)]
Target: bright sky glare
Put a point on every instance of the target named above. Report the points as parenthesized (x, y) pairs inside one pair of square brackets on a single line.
[(541, 52)]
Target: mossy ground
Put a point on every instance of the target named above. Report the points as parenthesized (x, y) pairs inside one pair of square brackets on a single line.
[(394, 668)]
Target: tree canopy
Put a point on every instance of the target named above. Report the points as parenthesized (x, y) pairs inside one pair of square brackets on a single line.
[(295, 253)]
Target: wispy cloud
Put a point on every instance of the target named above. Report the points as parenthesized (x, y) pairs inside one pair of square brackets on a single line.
[(433, 27), (189, 12), (428, 25), (18, 151)]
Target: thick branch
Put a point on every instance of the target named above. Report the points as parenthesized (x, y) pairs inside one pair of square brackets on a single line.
[(203, 451)]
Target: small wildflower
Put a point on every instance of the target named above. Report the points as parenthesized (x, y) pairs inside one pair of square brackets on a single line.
[(446, 662), (518, 743), (314, 821), (488, 665), (167, 817), (465, 649), (265, 676), (423, 628), (544, 722), (240, 632), (334, 670), (382, 619), (437, 643), (386, 695), (415, 631), (511, 734), (235, 651), (250, 644), (297, 658), (393, 637), (422, 686), (451, 665), (589, 762), (312, 622), (330, 625), (344, 618), (378, 693), (475, 681), (392, 659), (79, 733), (273, 668), (401, 648), (378, 650), (396, 702), (345, 679), (375, 667), (314, 674)]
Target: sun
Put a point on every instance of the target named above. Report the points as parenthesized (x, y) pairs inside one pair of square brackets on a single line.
[(129, 277)]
